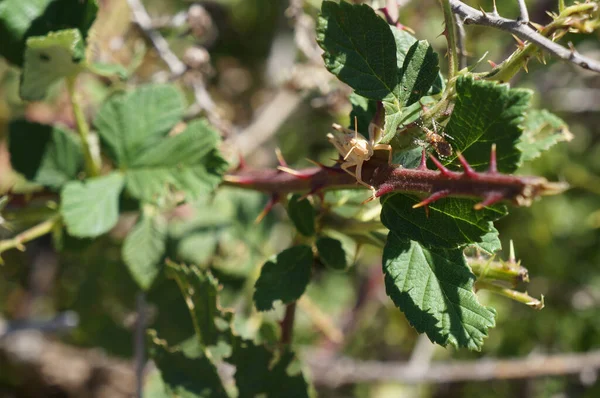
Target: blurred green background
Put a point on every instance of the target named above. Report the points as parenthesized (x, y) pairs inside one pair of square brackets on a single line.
[(557, 239)]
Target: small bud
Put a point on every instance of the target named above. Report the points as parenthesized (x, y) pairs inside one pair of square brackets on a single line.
[(200, 21), (196, 57)]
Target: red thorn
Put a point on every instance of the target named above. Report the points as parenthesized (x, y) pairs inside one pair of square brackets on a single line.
[(469, 172), (432, 198), (493, 165), (280, 158), (423, 163), (441, 167), (492, 63), (489, 200), (272, 202), (383, 189), (241, 162), (295, 173)]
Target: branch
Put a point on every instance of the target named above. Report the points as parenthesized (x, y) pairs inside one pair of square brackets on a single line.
[(334, 372), (472, 16), (143, 20), (524, 14), (489, 186), (29, 235)]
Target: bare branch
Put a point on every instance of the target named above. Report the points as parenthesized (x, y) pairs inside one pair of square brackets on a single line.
[(338, 371), (472, 16), (143, 20), (524, 17), (461, 39)]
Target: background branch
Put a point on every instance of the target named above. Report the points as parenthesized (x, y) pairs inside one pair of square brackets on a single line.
[(472, 16)]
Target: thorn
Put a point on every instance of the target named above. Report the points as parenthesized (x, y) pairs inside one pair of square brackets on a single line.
[(383, 189), (511, 256), (241, 162), (493, 169), (432, 198), (238, 180), (489, 200), (525, 66), (272, 202), (423, 163), (468, 170), (520, 43), (370, 198), (280, 158), (295, 173), (441, 167), (492, 63)]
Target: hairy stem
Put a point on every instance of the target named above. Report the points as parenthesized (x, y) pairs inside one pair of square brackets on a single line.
[(450, 33), (30, 234), (520, 297), (92, 169)]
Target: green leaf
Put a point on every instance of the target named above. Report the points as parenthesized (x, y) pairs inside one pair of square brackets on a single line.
[(490, 242), (128, 123), (50, 58), (363, 109), (144, 248), (331, 253), (21, 19), (302, 215), (284, 278), (47, 155), (419, 71), (91, 208), (486, 113), (108, 70), (451, 223), (541, 131), (199, 288), (434, 289), (189, 162), (359, 48), (180, 375), (261, 372)]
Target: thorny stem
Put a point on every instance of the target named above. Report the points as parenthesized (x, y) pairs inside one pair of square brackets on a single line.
[(30, 234), (525, 32), (450, 33), (512, 294), (92, 169), (491, 270)]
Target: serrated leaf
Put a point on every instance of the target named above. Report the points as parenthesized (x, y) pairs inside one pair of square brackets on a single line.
[(44, 154), (261, 372), (331, 253), (108, 70), (434, 289), (21, 19), (541, 131), (284, 278), (490, 242), (91, 208), (182, 376), (419, 70), (130, 122), (188, 162), (48, 59), (302, 214), (451, 223), (486, 113), (359, 48), (199, 288), (144, 248)]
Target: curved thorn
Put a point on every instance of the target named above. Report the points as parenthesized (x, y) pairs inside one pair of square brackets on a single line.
[(272, 202), (295, 173), (489, 200), (469, 172), (441, 167), (423, 163), (493, 164), (432, 198), (280, 158)]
